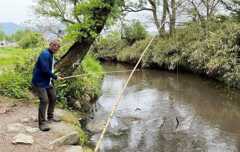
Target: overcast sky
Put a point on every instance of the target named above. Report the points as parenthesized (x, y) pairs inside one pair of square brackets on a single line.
[(16, 11)]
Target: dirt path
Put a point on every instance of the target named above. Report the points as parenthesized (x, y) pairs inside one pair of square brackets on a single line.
[(20, 118)]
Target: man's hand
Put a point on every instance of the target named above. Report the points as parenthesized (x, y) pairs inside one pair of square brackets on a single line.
[(60, 78)]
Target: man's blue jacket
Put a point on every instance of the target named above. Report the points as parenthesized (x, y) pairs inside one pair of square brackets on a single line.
[(42, 72)]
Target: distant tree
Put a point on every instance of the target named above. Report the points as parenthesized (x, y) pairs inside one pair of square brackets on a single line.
[(28, 38), (2, 35), (18, 35), (202, 10), (164, 12), (234, 7), (154, 7)]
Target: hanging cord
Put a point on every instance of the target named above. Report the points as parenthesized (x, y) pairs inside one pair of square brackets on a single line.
[(86, 74), (114, 108)]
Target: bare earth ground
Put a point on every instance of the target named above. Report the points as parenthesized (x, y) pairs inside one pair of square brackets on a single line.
[(11, 113)]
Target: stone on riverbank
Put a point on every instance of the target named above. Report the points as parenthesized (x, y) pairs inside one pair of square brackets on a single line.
[(69, 139), (74, 149), (23, 139)]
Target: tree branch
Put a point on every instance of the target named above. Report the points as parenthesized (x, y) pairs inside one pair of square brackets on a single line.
[(61, 13), (74, 14), (130, 9)]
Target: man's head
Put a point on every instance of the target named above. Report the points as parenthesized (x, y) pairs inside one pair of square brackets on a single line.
[(54, 45)]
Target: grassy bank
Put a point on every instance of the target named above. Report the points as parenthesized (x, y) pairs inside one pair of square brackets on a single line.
[(15, 81), (16, 73), (212, 50)]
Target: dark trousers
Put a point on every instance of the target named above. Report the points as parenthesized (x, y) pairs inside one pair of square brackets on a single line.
[(47, 97)]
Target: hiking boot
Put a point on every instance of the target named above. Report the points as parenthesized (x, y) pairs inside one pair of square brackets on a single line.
[(44, 127), (54, 119)]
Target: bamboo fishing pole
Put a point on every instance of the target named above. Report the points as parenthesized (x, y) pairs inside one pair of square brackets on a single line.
[(86, 74)]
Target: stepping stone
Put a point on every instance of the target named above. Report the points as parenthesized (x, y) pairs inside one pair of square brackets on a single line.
[(15, 127), (23, 139), (69, 139)]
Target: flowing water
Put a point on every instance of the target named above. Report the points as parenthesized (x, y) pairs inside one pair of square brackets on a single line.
[(167, 112)]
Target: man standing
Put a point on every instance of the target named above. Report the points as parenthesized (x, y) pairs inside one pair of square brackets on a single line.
[(43, 87)]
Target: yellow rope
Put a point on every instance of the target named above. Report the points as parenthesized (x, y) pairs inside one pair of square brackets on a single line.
[(114, 108)]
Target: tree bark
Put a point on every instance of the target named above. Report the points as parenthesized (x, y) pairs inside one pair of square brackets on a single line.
[(173, 17), (155, 16), (164, 16), (71, 60)]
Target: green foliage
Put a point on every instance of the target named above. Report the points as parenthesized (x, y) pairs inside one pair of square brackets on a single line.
[(85, 87), (13, 84), (213, 51), (132, 53), (107, 46), (2, 35), (28, 39), (134, 32), (10, 57), (83, 19), (15, 80), (16, 68)]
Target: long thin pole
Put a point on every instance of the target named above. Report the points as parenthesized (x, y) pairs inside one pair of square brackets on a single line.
[(86, 74), (114, 108)]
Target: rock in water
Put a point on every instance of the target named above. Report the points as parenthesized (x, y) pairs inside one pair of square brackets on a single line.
[(23, 139), (74, 149)]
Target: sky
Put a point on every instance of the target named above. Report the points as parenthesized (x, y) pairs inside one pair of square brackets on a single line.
[(16, 11)]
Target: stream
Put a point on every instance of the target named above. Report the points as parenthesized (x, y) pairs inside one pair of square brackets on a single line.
[(167, 112)]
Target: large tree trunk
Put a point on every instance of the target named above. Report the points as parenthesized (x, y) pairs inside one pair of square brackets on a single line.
[(70, 61)]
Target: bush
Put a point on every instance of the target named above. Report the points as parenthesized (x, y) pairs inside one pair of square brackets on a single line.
[(134, 32), (13, 84), (213, 51), (108, 45), (81, 90), (15, 79), (28, 39), (16, 82)]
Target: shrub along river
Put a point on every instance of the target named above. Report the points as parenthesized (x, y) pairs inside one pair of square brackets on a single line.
[(167, 112)]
